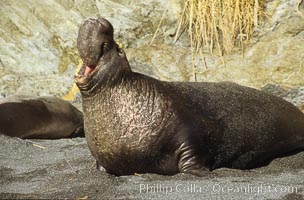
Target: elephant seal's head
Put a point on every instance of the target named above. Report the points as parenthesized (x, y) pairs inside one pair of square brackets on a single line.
[(102, 59)]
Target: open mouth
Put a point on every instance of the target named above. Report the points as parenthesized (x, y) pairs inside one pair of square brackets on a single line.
[(86, 71), (85, 75)]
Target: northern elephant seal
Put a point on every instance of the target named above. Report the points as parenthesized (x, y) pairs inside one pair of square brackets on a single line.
[(137, 124), (48, 117)]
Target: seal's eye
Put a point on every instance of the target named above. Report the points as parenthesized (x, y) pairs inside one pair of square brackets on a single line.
[(106, 47), (102, 49)]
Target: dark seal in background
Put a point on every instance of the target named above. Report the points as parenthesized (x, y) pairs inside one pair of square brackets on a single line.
[(48, 117)]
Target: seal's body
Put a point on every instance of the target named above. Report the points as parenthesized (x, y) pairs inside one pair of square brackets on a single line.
[(137, 124), (30, 117)]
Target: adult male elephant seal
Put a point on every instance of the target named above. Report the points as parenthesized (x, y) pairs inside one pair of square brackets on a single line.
[(137, 124), (29, 117)]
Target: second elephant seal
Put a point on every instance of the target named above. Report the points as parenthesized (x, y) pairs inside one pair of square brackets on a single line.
[(29, 117)]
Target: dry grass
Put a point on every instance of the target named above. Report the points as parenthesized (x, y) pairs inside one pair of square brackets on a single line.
[(220, 25)]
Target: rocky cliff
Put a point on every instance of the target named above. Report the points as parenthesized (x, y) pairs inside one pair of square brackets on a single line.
[(39, 56)]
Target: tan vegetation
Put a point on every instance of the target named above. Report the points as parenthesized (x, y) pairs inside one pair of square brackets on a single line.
[(220, 25)]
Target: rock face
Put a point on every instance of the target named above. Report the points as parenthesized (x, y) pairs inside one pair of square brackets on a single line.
[(38, 44)]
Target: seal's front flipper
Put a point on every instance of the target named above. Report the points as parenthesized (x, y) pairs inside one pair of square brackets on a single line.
[(79, 131), (191, 162)]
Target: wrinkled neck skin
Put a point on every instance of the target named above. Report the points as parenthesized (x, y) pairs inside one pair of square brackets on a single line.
[(111, 70), (124, 115)]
